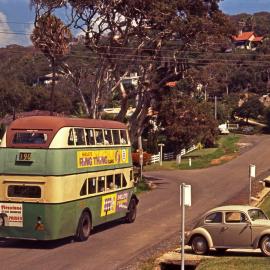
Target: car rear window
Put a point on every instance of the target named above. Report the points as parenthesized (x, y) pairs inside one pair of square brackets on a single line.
[(214, 218)]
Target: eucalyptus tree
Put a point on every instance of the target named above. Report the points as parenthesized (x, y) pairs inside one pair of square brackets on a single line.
[(144, 36), (52, 37)]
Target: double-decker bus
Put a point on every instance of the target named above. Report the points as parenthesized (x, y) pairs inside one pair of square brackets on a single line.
[(61, 177)]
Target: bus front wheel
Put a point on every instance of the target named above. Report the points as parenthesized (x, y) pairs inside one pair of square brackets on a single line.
[(84, 227), (132, 211)]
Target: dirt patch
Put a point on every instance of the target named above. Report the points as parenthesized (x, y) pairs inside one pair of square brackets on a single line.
[(222, 159)]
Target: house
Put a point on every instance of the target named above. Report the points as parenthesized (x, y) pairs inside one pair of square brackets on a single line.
[(247, 40)]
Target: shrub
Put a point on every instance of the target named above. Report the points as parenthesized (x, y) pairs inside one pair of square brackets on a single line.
[(136, 158)]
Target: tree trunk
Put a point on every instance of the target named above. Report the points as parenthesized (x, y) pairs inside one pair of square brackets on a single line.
[(52, 106), (85, 106)]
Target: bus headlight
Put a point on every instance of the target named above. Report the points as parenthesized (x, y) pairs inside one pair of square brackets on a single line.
[(39, 225)]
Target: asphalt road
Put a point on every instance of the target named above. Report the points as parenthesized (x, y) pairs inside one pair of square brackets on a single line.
[(114, 246)]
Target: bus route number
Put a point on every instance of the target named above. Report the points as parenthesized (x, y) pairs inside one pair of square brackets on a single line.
[(24, 157)]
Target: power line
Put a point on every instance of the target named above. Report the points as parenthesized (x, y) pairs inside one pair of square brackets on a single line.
[(196, 62)]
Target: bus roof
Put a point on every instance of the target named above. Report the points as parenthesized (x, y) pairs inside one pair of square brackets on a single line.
[(54, 123)]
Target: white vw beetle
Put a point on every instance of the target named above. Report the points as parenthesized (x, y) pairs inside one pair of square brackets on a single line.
[(231, 227)]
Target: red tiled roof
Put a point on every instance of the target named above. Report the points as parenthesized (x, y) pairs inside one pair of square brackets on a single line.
[(243, 36), (246, 36), (258, 39)]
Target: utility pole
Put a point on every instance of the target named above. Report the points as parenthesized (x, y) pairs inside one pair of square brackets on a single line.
[(215, 107)]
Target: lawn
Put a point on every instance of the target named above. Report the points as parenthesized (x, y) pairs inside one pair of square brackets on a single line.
[(265, 206), (226, 150), (235, 263)]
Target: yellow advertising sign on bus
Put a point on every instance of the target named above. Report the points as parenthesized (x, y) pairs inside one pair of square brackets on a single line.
[(93, 158)]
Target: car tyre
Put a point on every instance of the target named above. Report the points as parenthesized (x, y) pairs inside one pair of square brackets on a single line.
[(132, 211), (84, 227), (265, 245), (199, 245)]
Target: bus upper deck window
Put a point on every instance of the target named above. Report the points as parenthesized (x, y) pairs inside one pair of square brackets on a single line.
[(70, 137), (108, 136), (116, 137), (99, 136), (123, 135), (79, 136), (22, 191), (89, 134)]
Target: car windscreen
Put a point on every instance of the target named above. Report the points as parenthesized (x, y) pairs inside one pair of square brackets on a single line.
[(256, 214)]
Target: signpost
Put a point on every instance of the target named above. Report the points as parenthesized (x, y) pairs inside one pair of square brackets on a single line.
[(185, 200), (140, 156), (252, 174), (160, 153)]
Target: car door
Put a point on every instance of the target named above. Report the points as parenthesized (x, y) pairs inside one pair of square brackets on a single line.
[(213, 224), (236, 230)]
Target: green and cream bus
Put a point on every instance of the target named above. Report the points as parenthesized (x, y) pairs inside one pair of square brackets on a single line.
[(61, 177)]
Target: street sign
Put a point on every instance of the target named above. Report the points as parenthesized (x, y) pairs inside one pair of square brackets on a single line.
[(252, 170), (187, 195)]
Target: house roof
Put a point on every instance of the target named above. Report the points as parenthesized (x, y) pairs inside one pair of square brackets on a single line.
[(258, 39), (247, 36), (243, 36)]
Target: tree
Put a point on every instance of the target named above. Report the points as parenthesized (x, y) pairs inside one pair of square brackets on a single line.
[(186, 122), (52, 37), (251, 108), (147, 37)]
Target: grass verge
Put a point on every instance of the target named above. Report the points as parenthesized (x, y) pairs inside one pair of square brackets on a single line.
[(235, 263), (226, 150), (142, 186), (265, 206)]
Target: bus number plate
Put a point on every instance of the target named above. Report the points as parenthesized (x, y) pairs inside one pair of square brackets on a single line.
[(24, 157)]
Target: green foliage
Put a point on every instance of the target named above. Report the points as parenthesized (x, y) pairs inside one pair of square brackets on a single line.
[(186, 122), (251, 108)]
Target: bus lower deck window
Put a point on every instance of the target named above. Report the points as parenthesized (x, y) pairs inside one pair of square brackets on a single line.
[(118, 180), (92, 185), (22, 191), (101, 184)]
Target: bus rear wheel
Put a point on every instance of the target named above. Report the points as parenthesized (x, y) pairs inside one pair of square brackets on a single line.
[(84, 227), (132, 211)]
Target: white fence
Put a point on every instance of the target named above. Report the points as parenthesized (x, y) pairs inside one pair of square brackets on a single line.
[(171, 155), (155, 158)]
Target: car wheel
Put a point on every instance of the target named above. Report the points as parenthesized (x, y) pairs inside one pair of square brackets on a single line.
[(265, 245), (221, 251), (199, 245), (84, 227), (132, 211)]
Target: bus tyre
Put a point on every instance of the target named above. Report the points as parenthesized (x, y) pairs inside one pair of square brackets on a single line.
[(84, 227), (132, 211)]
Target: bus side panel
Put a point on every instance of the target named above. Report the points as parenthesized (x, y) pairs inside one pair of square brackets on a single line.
[(2, 155)]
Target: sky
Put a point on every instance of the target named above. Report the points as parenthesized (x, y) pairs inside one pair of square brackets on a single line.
[(16, 17)]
